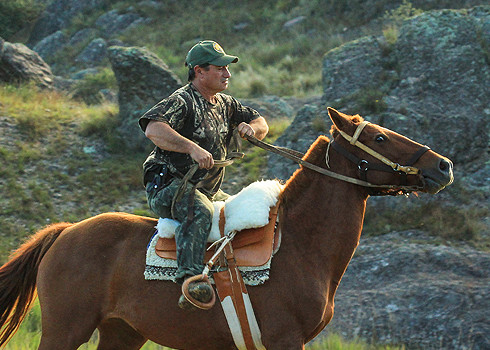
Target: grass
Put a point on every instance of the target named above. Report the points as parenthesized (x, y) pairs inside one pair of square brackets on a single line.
[(89, 88), (449, 223), (38, 113), (29, 335), (61, 161)]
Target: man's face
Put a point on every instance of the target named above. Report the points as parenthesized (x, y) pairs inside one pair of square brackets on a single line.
[(215, 78)]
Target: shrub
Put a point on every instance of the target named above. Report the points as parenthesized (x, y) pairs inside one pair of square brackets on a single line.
[(450, 223), (370, 100), (390, 34), (14, 14), (257, 88), (401, 13), (89, 89)]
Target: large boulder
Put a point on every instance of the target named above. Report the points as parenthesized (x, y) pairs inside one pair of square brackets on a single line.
[(405, 288), (143, 80), (20, 64), (50, 45), (93, 54), (430, 85), (113, 22), (433, 81), (352, 67), (444, 73), (59, 14)]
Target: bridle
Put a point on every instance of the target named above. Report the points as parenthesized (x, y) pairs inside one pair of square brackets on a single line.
[(386, 164), (362, 164)]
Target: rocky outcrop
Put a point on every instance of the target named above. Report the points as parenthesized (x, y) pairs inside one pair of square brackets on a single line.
[(430, 85), (352, 67), (113, 22), (51, 44), (93, 54), (59, 14), (20, 64), (55, 40), (399, 288), (271, 107), (143, 80), (436, 73), (443, 81)]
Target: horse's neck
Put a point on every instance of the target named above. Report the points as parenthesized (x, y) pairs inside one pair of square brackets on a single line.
[(322, 219)]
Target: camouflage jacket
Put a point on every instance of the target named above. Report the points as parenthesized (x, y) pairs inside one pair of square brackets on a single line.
[(209, 125)]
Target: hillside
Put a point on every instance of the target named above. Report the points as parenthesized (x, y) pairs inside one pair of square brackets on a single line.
[(419, 67)]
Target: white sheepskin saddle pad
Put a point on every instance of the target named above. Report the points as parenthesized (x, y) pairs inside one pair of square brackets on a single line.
[(247, 209)]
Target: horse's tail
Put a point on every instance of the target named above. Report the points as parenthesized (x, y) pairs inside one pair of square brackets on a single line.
[(18, 279)]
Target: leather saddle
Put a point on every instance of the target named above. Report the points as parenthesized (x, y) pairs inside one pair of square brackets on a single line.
[(251, 247)]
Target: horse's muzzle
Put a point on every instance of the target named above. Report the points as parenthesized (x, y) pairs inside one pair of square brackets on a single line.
[(439, 176)]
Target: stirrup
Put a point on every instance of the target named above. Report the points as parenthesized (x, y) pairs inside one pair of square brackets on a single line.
[(193, 301)]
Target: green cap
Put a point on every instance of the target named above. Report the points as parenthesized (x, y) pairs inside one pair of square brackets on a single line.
[(208, 51)]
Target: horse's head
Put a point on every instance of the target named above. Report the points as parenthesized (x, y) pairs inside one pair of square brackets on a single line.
[(387, 158)]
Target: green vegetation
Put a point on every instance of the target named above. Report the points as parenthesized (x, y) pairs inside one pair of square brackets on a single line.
[(254, 165), (403, 12), (89, 88), (50, 173), (15, 14), (448, 223)]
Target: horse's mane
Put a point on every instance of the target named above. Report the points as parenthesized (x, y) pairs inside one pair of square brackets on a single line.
[(316, 155), (296, 184)]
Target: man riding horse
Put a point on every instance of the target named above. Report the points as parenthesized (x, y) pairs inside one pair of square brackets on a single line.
[(194, 125)]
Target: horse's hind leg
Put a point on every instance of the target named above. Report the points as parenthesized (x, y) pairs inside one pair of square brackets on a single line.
[(63, 338), (115, 334)]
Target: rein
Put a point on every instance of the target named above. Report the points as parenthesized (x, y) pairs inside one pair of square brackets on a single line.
[(188, 176), (362, 164)]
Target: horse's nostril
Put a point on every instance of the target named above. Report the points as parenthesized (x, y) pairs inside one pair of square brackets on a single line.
[(444, 165)]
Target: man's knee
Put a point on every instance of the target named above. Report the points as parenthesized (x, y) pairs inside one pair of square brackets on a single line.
[(203, 216)]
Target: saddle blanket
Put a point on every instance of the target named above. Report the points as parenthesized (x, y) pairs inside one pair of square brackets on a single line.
[(247, 209)]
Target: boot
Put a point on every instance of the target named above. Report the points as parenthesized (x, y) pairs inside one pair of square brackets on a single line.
[(200, 291)]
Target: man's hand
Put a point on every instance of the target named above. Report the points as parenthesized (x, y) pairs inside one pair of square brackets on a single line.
[(202, 157), (168, 139), (245, 129)]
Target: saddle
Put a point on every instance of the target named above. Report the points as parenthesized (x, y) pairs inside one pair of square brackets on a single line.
[(251, 247)]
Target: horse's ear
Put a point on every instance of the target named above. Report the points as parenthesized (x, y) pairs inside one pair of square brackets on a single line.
[(339, 119)]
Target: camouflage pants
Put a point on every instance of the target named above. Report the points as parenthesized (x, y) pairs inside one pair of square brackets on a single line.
[(190, 240)]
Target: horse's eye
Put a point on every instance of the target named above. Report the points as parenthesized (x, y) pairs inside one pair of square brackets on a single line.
[(380, 138)]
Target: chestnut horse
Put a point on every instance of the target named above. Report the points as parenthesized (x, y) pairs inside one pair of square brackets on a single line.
[(89, 275)]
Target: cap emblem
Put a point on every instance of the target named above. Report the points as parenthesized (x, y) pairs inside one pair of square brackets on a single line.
[(218, 48)]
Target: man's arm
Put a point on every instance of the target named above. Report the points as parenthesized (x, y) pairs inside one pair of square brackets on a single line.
[(257, 127), (166, 138)]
